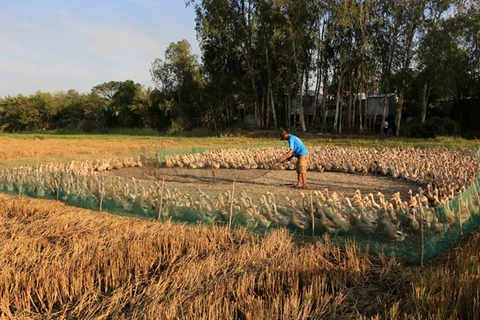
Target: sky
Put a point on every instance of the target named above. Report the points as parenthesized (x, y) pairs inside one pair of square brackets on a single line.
[(58, 45)]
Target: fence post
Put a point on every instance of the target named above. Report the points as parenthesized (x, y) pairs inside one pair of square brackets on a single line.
[(161, 200), (313, 217), (231, 206)]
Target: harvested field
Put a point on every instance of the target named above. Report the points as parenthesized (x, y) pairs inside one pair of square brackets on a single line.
[(61, 262)]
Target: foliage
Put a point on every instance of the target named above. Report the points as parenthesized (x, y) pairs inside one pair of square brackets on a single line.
[(178, 125), (434, 127), (179, 82), (283, 63)]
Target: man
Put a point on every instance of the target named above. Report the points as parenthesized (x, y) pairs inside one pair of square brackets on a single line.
[(297, 149)]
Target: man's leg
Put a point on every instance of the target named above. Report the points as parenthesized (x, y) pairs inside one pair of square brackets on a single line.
[(304, 180), (302, 172)]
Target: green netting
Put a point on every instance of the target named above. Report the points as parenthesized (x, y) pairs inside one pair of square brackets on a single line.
[(174, 151), (449, 224), (437, 229)]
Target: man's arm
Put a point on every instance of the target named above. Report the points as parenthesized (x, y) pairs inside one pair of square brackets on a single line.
[(286, 155)]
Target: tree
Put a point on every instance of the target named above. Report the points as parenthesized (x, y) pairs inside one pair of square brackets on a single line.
[(178, 77), (410, 16), (301, 26), (107, 89), (439, 58), (341, 38), (127, 106), (468, 19), (69, 109), (225, 30), (11, 113), (94, 108)]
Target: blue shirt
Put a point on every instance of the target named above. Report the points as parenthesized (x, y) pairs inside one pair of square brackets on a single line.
[(297, 146)]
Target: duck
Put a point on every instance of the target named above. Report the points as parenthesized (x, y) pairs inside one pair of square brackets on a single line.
[(298, 218), (325, 224), (391, 230), (436, 226), (362, 226), (281, 218), (336, 217)]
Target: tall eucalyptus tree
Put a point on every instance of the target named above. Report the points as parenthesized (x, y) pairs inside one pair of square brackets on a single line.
[(271, 42), (386, 38), (365, 80), (439, 59), (467, 97), (341, 35), (395, 41), (300, 28), (352, 20), (225, 30), (469, 20), (410, 17)]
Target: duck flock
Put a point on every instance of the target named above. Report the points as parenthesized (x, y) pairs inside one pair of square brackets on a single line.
[(442, 175)]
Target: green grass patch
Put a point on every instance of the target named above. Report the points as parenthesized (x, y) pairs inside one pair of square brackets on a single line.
[(251, 139)]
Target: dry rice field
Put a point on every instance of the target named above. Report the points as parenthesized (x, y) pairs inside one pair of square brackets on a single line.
[(61, 262)]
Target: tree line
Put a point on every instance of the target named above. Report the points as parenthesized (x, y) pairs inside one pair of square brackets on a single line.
[(308, 64)]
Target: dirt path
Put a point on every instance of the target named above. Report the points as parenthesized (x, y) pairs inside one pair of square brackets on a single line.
[(280, 182)]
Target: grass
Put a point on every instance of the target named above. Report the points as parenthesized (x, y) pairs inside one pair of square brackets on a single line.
[(122, 141)]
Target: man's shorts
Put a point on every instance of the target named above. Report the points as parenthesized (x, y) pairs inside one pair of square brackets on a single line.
[(302, 164)]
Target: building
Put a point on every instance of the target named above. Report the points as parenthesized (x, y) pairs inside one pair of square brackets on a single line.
[(374, 103)]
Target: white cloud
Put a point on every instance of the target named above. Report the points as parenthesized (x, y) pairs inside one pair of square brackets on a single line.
[(7, 44), (112, 42), (46, 70)]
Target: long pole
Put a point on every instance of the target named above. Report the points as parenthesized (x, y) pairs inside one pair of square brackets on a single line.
[(211, 165), (312, 215), (231, 206), (161, 200), (420, 208)]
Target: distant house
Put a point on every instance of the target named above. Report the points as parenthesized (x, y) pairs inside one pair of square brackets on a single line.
[(374, 103)]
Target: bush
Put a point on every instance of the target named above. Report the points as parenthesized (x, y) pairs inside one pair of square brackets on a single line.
[(451, 127), (420, 130), (435, 126), (133, 131), (178, 125)]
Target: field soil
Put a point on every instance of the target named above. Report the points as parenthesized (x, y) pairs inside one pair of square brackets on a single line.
[(280, 182)]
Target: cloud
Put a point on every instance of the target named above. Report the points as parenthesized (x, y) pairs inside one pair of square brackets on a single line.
[(7, 44), (18, 58), (112, 42), (46, 70)]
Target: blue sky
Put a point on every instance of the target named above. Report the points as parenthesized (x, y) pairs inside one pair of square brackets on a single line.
[(57, 45)]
